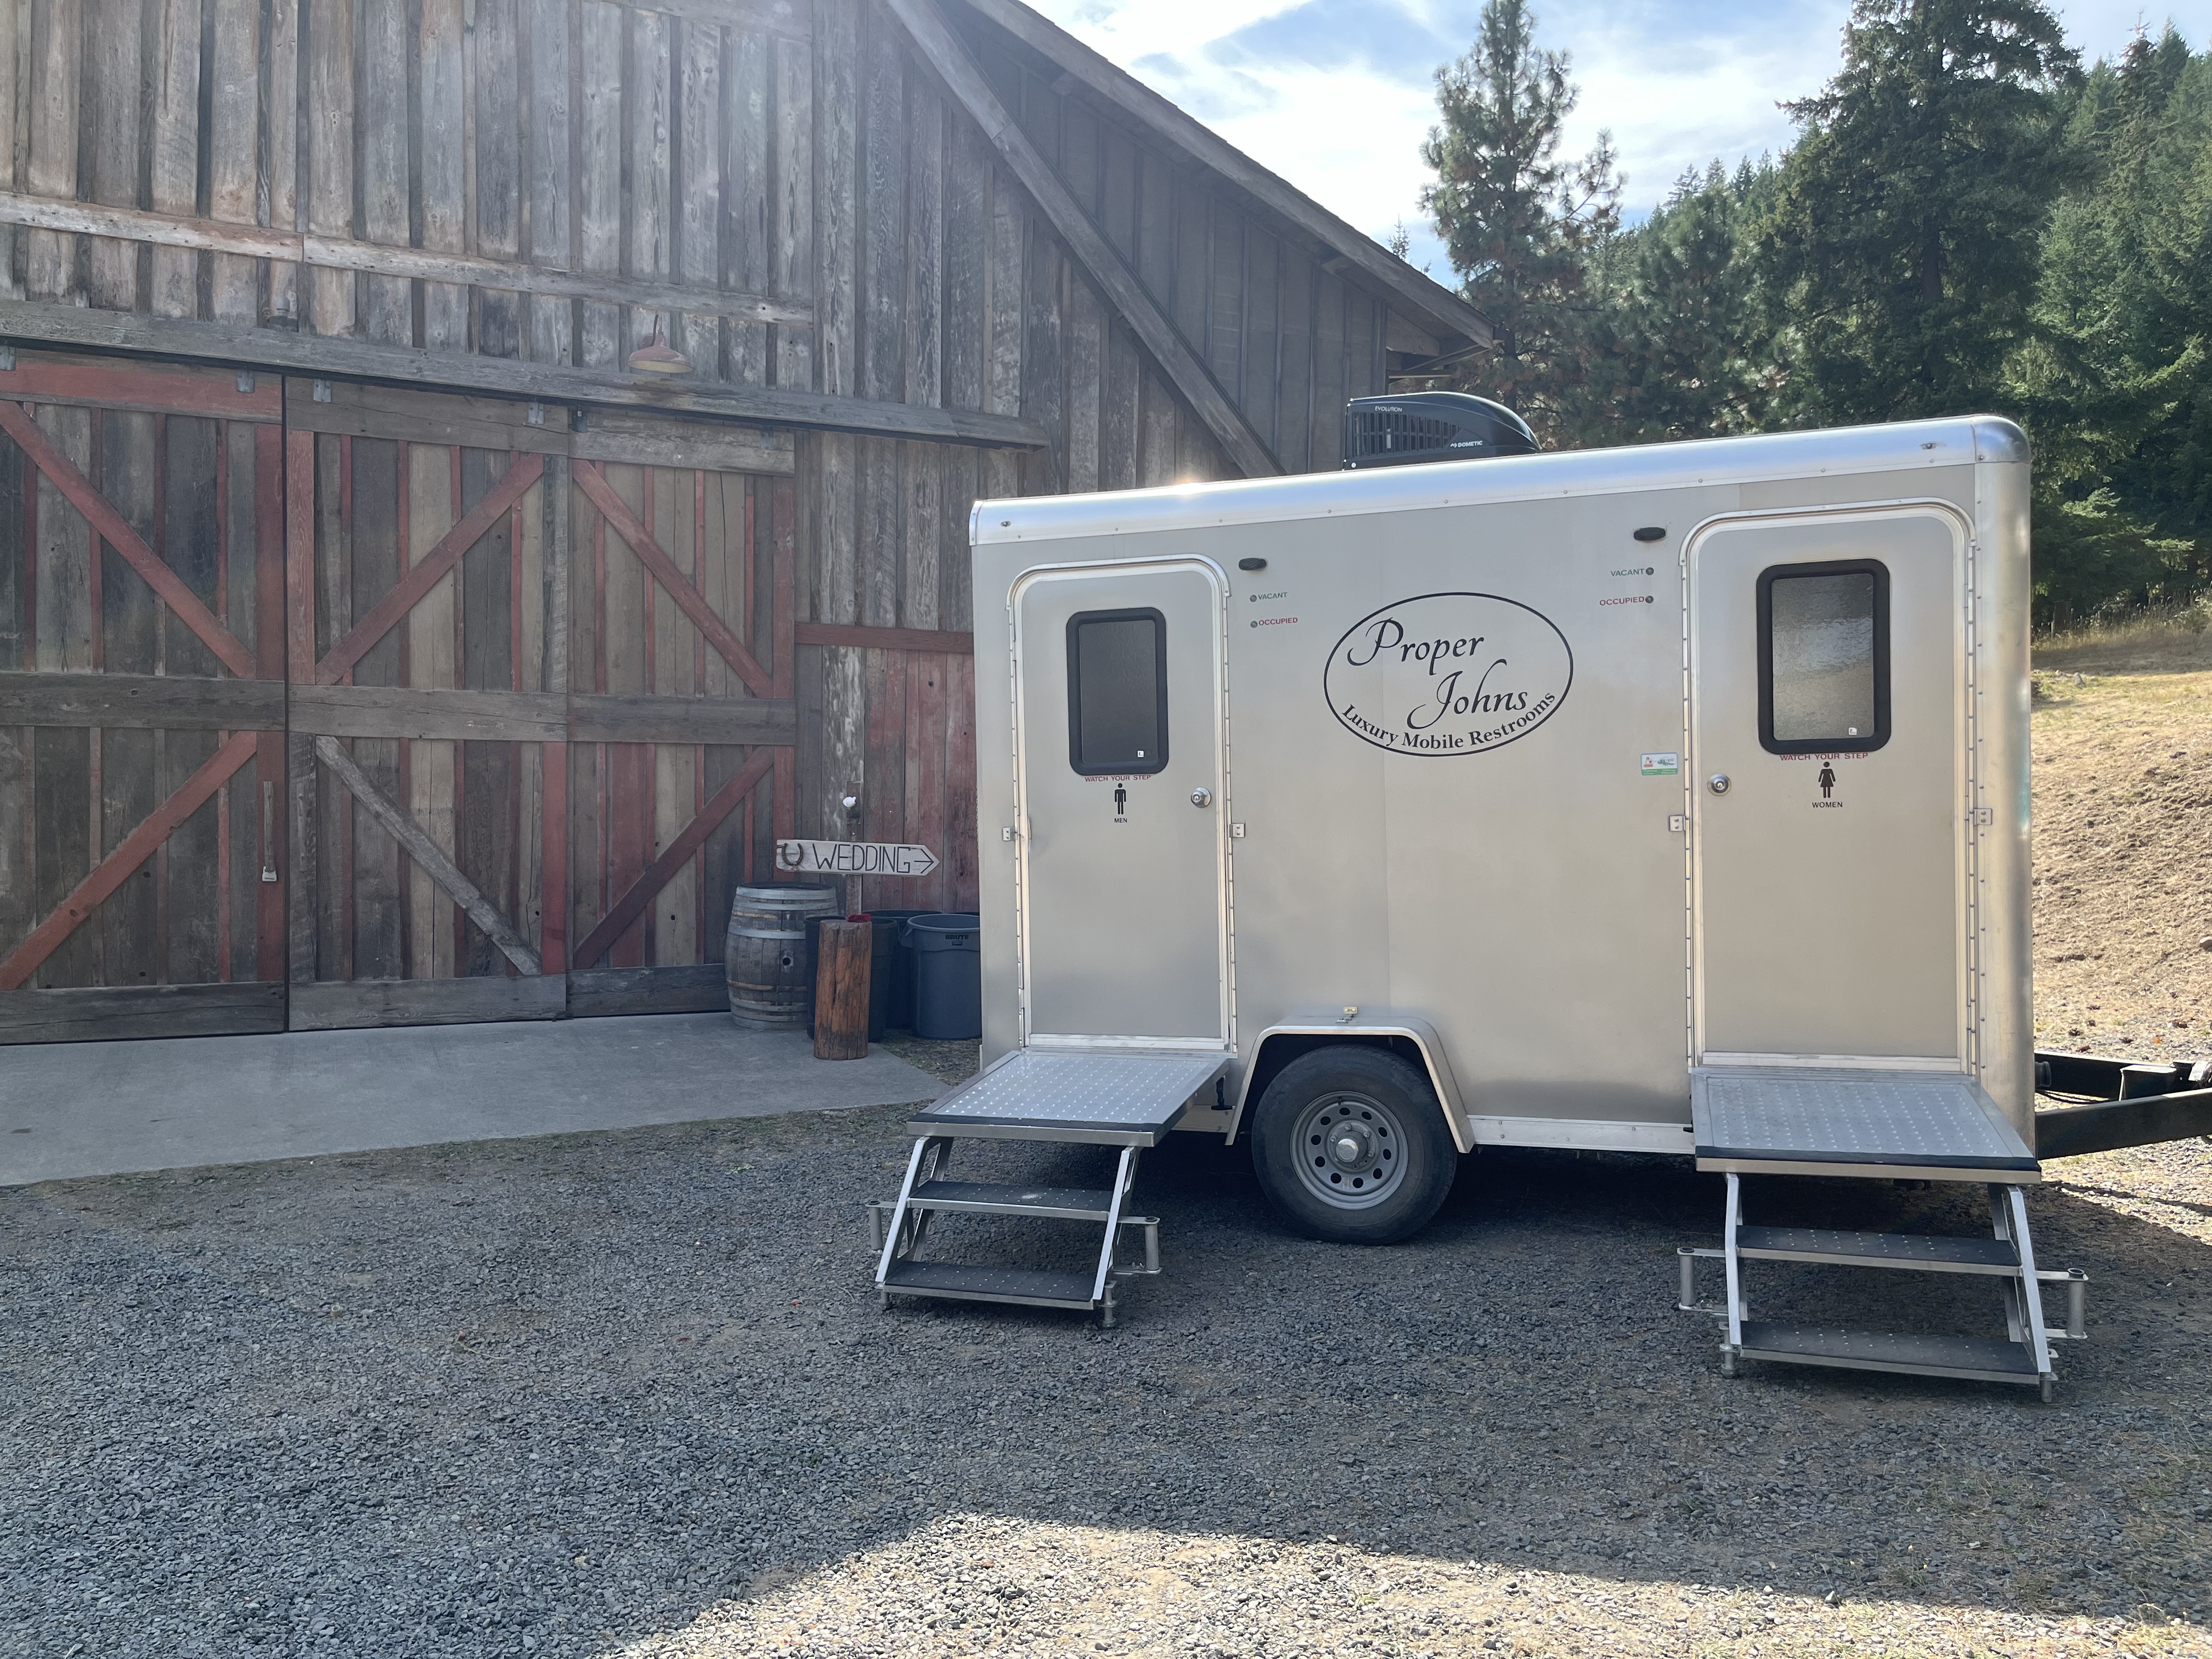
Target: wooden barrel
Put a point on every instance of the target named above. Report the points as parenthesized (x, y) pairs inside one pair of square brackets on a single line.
[(769, 966)]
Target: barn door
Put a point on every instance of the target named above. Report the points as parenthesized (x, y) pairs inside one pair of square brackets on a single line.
[(428, 712), (142, 701), (681, 718)]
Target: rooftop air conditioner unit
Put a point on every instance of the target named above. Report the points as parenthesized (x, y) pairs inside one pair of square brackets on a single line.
[(1431, 426)]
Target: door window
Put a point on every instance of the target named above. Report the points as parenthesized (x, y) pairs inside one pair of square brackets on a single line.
[(1824, 657), (1117, 692)]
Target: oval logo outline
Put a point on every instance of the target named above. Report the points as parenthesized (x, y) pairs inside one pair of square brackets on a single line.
[(1434, 750)]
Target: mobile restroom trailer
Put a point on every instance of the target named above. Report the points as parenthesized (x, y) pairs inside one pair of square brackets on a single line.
[(1668, 799)]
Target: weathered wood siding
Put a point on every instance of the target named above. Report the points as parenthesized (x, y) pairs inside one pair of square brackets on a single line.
[(539, 686), (140, 746), (939, 283), (683, 638), (1285, 338)]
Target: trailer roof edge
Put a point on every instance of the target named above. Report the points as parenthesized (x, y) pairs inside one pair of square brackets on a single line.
[(1960, 442)]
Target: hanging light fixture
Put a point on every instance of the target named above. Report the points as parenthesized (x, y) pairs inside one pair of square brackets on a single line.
[(657, 356)]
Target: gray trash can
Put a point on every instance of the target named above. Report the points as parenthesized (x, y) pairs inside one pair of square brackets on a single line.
[(891, 992), (948, 975)]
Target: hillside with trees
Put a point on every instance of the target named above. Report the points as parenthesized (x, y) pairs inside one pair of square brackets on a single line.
[(1968, 220)]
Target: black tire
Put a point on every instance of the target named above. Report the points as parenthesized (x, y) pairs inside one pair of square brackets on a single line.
[(1349, 1144)]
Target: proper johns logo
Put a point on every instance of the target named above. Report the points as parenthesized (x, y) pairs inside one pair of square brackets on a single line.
[(1448, 674)]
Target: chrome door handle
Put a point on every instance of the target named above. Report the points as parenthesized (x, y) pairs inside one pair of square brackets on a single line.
[(1718, 783), (1202, 797)]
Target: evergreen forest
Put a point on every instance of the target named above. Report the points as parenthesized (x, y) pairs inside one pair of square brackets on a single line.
[(1968, 221)]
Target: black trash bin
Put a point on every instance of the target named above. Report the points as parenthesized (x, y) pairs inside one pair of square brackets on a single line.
[(891, 986), (948, 975)]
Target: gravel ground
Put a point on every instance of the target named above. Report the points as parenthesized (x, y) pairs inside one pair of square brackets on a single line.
[(630, 1393), (948, 1062)]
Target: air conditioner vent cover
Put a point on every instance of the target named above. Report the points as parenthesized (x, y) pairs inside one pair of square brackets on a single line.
[(1431, 426)]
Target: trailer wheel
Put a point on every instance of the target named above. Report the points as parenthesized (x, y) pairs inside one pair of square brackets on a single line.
[(1349, 1144)]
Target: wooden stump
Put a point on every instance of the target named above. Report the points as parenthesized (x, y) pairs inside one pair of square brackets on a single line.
[(840, 991)]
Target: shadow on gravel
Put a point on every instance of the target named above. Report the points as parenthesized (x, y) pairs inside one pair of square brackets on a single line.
[(577, 1390)]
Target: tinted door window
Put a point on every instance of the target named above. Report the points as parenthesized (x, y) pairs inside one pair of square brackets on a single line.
[(1117, 691)]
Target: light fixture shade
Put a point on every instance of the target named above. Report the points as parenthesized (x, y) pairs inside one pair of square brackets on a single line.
[(657, 356)]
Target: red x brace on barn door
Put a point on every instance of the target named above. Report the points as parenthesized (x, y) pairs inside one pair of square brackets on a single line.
[(140, 670), (541, 691), (428, 722), (685, 772)]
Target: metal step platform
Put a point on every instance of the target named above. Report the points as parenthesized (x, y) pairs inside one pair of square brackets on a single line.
[(1129, 1098), (1871, 1124)]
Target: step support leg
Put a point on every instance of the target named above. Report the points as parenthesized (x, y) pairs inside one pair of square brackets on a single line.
[(902, 1234), (2013, 1206), (1125, 1177), (1732, 1220)]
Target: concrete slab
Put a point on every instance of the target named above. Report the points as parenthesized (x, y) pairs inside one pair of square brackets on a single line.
[(96, 1109)]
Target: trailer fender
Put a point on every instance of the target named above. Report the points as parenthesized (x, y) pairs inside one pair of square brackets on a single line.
[(1406, 1034)]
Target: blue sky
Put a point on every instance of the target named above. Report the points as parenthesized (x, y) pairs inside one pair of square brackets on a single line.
[(1336, 94)]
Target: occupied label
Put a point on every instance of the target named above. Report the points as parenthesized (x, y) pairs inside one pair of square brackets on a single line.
[(854, 857), (1449, 674)]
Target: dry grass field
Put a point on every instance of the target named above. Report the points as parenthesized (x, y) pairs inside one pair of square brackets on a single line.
[(2123, 816)]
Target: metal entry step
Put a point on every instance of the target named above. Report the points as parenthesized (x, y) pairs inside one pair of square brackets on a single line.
[(2007, 1256), (1122, 1098), (1984, 1359), (1925, 1252), (1034, 1287), (1870, 1124), (1098, 1096), (1925, 1125), (998, 1198)]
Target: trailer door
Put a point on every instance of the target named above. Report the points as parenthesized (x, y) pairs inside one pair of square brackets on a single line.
[(1119, 738), (1828, 788)]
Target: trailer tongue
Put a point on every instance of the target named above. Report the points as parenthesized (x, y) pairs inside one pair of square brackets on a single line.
[(1928, 1125)]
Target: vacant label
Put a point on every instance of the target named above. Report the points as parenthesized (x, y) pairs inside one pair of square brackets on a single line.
[(1449, 674)]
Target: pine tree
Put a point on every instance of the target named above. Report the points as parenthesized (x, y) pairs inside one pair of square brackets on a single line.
[(1902, 251), (1696, 360), (2117, 383), (1520, 221)]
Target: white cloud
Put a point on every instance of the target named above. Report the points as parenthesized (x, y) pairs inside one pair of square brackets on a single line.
[(1127, 30), (1678, 82)]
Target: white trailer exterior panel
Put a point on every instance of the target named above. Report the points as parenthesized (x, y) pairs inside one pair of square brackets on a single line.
[(1431, 735)]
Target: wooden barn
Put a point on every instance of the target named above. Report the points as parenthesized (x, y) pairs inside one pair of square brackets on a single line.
[(475, 473)]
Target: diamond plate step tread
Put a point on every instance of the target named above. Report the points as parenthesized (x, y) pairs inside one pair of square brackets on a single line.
[(1988, 1359), (1834, 1120), (1104, 1097), (996, 1197), (1027, 1285), (1878, 1249)]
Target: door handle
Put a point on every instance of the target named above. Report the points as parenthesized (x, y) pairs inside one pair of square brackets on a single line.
[(269, 832), (1202, 797), (1718, 783)]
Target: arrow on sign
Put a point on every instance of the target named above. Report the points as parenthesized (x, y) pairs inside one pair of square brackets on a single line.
[(854, 857)]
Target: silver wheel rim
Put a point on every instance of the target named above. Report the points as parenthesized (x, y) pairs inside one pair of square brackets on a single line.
[(1351, 1151)]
